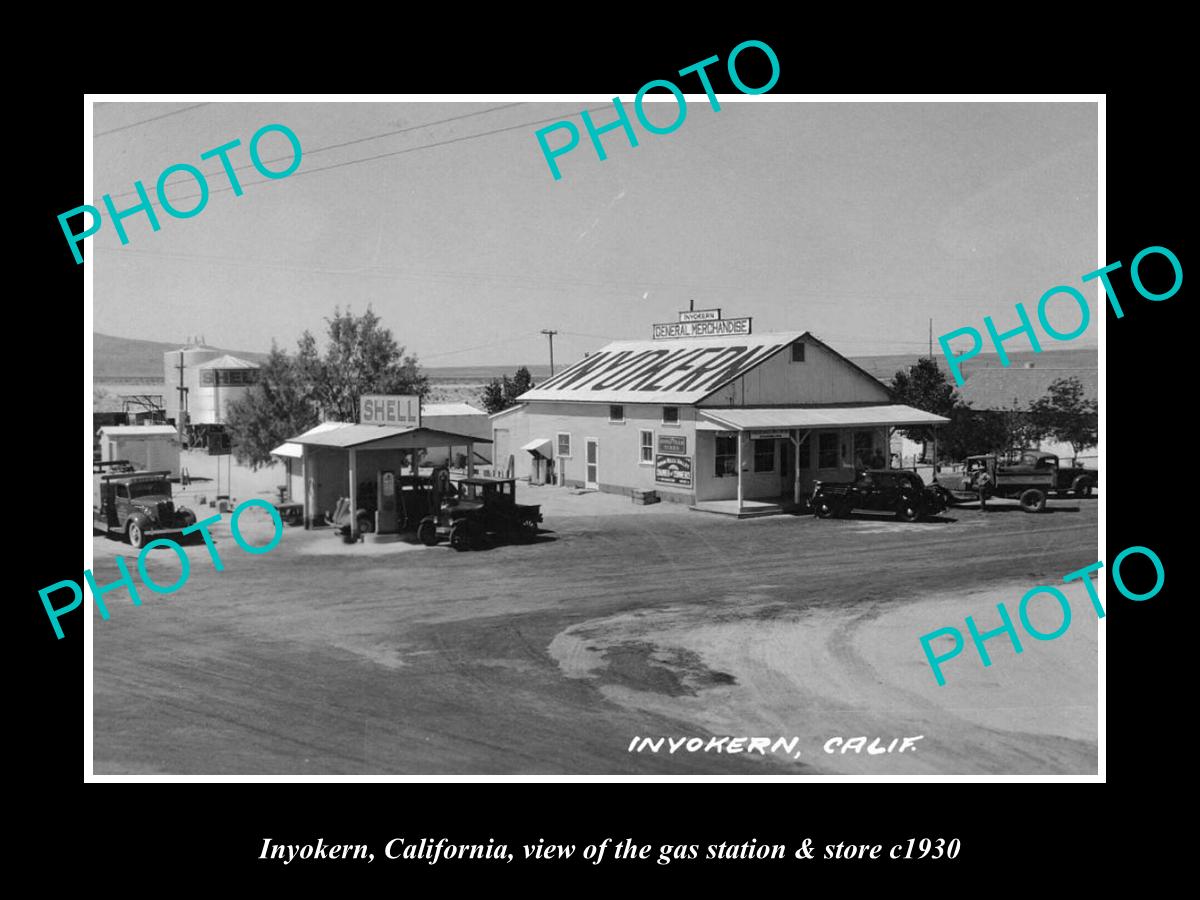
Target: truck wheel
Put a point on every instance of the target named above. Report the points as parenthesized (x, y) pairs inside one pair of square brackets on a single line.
[(1083, 488), (458, 537), (907, 511), (427, 534), (822, 508), (1033, 500), (476, 537), (528, 530), (135, 535)]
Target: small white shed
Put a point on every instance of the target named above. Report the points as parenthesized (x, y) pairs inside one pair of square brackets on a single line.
[(459, 418), (154, 447)]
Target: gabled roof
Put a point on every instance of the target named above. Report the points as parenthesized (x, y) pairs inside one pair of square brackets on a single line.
[(228, 362), (450, 409), (669, 371), (1005, 388), (294, 450), (345, 435)]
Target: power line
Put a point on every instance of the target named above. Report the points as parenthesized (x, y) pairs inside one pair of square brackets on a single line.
[(374, 137), (144, 121), (507, 340), (366, 159)]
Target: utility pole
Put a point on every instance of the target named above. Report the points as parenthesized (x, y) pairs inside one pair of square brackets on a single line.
[(550, 334), (183, 391), (931, 337)]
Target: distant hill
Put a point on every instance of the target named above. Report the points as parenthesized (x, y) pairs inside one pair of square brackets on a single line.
[(122, 359), (116, 358), (884, 367)]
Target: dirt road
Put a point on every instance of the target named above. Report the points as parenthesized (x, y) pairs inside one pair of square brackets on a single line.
[(552, 658)]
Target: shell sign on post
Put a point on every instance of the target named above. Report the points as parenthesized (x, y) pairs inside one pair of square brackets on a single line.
[(403, 410)]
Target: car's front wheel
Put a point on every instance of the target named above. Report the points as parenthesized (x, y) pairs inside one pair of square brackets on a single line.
[(427, 534), (822, 508), (135, 535), (907, 511), (1083, 488)]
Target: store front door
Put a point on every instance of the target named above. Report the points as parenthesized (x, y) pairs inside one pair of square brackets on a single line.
[(592, 477)]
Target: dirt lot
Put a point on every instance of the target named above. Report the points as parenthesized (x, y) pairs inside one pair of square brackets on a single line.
[(620, 622)]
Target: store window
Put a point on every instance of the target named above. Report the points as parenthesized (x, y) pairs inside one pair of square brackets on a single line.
[(647, 447), (828, 455), (670, 415), (864, 450), (616, 414), (564, 443), (764, 456), (726, 454)]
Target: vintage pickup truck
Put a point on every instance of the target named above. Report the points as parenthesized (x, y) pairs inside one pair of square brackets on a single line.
[(135, 505)]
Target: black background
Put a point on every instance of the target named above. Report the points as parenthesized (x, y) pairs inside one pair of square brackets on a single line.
[(213, 833)]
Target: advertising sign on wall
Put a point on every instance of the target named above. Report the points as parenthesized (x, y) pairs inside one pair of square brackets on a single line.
[(675, 444), (699, 315), (711, 328), (675, 470)]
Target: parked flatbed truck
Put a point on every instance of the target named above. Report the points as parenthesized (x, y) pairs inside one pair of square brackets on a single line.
[(1027, 478), (135, 506)]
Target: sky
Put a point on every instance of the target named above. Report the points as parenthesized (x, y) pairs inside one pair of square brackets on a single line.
[(856, 221)]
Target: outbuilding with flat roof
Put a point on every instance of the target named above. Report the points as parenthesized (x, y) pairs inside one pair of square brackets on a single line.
[(146, 446)]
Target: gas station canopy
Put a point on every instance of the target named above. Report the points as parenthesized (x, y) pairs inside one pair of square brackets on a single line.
[(383, 437)]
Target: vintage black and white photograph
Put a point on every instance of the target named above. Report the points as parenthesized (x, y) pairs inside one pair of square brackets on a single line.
[(660, 437)]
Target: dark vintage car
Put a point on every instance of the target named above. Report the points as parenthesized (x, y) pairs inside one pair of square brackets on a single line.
[(476, 509), (888, 490), (136, 505)]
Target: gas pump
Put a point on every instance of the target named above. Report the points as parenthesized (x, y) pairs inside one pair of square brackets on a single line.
[(386, 521)]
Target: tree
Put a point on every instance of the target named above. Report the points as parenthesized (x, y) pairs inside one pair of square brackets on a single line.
[(361, 357), (924, 386), (1021, 427), (972, 432), (1065, 414), (275, 408), (501, 393), (521, 382), (492, 397), (293, 392)]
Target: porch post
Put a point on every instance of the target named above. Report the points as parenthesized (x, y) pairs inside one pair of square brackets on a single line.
[(353, 494), (933, 477), (794, 437), (308, 494), (470, 460), (739, 468)]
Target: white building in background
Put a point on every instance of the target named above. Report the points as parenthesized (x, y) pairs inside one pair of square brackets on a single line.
[(211, 381), (152, 447)]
